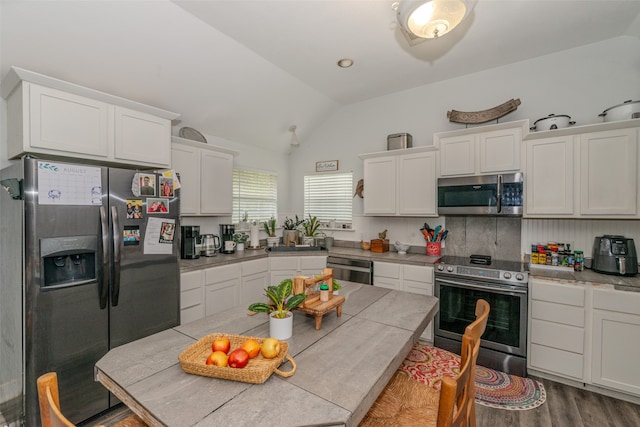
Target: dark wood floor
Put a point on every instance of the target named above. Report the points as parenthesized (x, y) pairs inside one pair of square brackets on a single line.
[(566, 406)]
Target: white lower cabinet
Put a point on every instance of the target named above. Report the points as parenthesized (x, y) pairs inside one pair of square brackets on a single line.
[(403, 277), (387, 275), (255, 278), (191, 296), (288, 267), (556, 337), (222, 288), (585, 333), (616, 340)]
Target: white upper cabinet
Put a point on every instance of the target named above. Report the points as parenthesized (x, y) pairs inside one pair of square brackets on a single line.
[(584, 172), (206, 176), (550, 176), (55, 121), (401, 182), (380, 186), (57, 118), (609, 173), (142, 136), (481, 150), (417, 174), (216, 182), (457, 155)]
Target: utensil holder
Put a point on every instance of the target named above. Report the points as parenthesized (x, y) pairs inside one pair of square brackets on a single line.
[(434, 248)]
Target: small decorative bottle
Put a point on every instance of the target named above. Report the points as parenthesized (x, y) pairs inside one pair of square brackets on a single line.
[(324, 292)]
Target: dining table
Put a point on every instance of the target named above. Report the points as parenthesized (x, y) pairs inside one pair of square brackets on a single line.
[(340, 368)]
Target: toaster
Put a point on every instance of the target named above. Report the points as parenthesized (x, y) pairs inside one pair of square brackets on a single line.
[(614, 255)]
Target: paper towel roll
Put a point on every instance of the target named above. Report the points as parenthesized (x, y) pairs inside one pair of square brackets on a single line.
[(255, 235)]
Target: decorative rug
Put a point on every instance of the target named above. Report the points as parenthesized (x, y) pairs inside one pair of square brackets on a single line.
[(428, 365)]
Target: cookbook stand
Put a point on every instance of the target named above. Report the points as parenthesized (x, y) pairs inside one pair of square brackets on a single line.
[(312, 304)]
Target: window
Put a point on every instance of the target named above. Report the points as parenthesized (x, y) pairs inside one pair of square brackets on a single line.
[(255, 193), (329, 196)]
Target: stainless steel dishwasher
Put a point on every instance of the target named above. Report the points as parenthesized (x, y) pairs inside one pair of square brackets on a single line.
[(351, 270)]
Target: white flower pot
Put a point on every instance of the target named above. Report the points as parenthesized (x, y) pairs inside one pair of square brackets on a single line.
[(281, 329), (240, 247), (272, 241)]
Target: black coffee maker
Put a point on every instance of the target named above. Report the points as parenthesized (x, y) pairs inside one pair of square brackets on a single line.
[(227, 243), (190, 234)]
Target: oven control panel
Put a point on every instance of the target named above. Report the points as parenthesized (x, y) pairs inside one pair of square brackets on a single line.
[(487, 273)]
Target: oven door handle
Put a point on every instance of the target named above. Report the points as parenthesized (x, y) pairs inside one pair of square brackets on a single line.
[(480, 287)]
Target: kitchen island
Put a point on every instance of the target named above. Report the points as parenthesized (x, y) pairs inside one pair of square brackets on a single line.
[(341, 368)]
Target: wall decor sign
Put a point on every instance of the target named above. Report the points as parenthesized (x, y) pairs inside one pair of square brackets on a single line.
[(327, 166)]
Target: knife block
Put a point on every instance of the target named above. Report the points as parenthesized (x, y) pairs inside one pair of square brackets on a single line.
[(379, 245)]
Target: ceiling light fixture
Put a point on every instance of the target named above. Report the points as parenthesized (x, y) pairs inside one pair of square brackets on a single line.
[(294, 138), (345, 63), (432, 18)]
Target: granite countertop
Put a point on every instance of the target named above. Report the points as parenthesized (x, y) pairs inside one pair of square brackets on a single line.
[(586, 277), (351, 252)]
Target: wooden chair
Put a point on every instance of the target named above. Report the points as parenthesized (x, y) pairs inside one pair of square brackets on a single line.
[(405, 402), (50, 414)]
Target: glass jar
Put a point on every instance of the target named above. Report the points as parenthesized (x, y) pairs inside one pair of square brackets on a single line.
[(579, 261), (324, 292)]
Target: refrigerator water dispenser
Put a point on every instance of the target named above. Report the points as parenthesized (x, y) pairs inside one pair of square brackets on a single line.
[(68, 261)]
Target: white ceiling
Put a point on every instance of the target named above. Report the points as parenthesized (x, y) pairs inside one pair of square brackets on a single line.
[(245, 70)]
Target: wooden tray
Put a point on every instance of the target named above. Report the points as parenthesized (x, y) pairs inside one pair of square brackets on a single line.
[(258, 370)]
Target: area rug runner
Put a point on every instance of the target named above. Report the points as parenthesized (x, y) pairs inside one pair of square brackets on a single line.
[(428, 365)]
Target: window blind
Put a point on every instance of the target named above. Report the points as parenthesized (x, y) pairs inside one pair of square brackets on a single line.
[(329, 196), (255, 193)]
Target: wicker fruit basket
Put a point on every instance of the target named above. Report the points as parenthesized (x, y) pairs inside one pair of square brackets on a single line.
[(258, 370)]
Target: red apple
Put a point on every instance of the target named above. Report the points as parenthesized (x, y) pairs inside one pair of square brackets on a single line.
[(217, 358), (221, 344), (238, 358)]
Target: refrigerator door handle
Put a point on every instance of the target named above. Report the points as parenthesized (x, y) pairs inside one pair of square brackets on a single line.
[(115, 290), (104, 282)]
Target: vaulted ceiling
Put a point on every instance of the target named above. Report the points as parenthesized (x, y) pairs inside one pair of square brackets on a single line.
[(245, 70)]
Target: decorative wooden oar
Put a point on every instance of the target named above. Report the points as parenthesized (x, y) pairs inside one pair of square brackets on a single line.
[(475, 117)]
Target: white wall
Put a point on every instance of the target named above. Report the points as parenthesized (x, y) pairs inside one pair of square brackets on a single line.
[(581, 82)]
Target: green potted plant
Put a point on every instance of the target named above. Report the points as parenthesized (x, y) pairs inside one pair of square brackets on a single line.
[(290, 227), (310, 227), (336, 287), (240, 239), (281, 303), (244, 222), (270, 228)]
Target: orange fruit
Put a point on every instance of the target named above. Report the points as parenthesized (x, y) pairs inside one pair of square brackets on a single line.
[(252, 347)]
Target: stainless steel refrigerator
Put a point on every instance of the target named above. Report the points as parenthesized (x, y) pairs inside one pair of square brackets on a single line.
[(100, 259)]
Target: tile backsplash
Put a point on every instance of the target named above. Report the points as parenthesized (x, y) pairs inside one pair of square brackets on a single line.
[(498, 237)]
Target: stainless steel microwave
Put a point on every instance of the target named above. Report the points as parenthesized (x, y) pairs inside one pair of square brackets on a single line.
[(481, 195)]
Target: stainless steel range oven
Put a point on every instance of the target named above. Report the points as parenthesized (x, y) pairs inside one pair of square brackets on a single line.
[(459, 283)]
